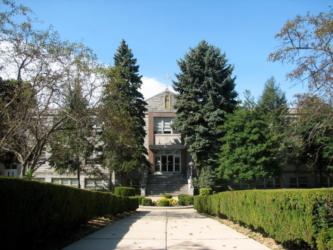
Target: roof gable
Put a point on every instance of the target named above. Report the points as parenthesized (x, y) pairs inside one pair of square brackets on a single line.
[(162, 102)]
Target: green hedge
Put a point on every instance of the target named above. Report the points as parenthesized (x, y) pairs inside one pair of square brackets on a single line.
[(205, 191), (185, 200), (146, 202), (31, 211), (163, 202), (125, 191), (167, 196), (301, 218)]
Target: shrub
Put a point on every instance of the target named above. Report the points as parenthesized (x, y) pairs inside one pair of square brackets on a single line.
[(125, 191), (147, 202), (31, 211), (205, 191), (173, 202), (163, 202), (185, 200), (139, 198), (167, 196), (302, 218)]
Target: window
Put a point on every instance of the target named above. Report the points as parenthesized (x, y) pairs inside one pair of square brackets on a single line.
[(163, 125), (170, 163), (302, 181), (330, 181), (158, 164), (269, 182), (164, 163), (167, 162), (293, 182), (66, 181), (177, 163), (38, 179), (94, 183)]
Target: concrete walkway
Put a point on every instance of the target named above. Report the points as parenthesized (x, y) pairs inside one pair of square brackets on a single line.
[(166, 229)]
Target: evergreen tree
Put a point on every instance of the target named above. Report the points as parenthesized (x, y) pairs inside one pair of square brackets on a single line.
[(273, 104), (248, 151), (122, 113), (272, 107), (71, 145), (206, 94), (253, 141)]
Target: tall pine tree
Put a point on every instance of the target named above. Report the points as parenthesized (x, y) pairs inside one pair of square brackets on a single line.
[(273, 109), (122, 114), (206, 94), (273, 104)]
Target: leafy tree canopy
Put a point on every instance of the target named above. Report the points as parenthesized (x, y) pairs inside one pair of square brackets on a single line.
[(307, 42), (247, 151)]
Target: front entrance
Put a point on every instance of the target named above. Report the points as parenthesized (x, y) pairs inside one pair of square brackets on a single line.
[(167, 162)]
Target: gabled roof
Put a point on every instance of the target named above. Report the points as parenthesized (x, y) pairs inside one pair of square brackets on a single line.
[(162, 93)]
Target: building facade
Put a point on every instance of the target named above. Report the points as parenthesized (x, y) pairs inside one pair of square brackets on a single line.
[(167, 156), (169, 161), (170, 168)]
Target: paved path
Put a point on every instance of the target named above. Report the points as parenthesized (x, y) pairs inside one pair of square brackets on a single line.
[(166, 229)]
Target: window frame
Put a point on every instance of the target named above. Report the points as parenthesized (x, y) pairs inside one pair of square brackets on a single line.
[(164, 127), (163, 160)]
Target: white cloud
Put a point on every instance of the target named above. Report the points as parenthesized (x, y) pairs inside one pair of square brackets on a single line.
[(151, 86)]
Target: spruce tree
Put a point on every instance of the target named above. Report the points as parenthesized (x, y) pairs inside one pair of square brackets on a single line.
[(273, 109), (272, 103), (122, 114), (206, 94)]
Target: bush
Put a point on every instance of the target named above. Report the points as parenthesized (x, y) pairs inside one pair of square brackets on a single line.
[(31, 211), (125, 191), (185, 200), (167, 196), (173, 202), (147, 202), (163, 202), (139, 198), (205, 191), (302, 218)]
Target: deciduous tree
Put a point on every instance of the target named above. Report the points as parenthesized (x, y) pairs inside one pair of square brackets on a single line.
[(72, 143), (307, 42)]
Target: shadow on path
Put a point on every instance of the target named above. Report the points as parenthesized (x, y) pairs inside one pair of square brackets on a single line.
[(109, 236)]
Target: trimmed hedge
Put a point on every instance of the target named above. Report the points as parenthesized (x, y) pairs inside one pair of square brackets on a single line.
[(147, 202), (205, 191), (144, 201), (185, 200), (301, 218), (164, 202), (167, 196), (32, 211), (125, 191)]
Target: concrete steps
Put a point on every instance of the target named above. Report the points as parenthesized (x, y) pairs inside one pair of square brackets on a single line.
[(172, 184)]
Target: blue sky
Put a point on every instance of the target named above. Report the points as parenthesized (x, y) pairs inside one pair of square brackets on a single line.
[(161, 32)]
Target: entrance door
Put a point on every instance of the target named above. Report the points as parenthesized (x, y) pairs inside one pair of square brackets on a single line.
[(168, 162)]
